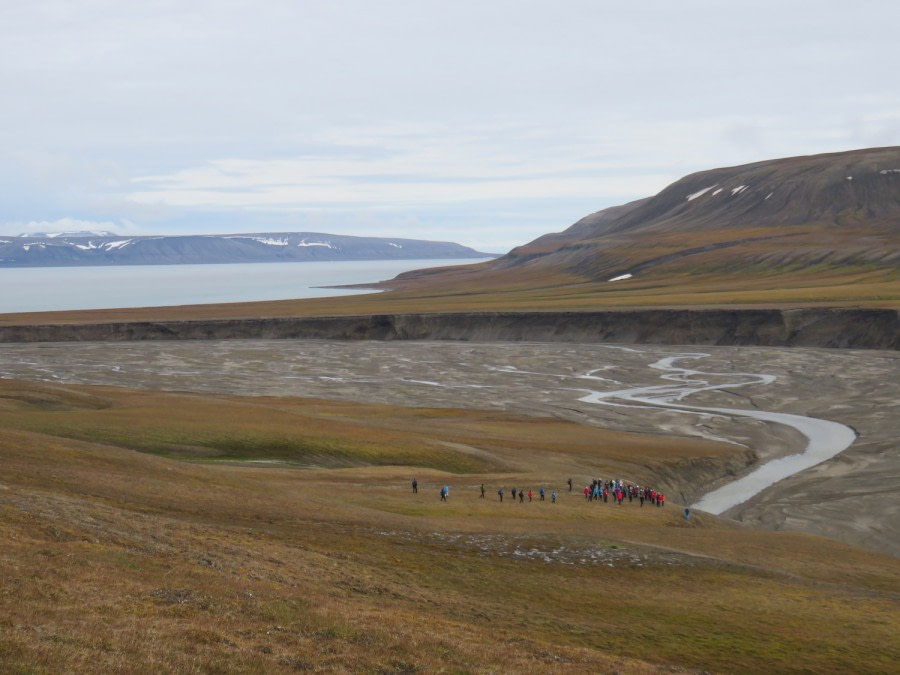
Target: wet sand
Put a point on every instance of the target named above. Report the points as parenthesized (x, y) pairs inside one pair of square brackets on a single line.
[(849, 497)]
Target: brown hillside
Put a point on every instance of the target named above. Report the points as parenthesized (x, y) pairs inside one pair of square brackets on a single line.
[(199, 546), (840, 190), (823, 221)]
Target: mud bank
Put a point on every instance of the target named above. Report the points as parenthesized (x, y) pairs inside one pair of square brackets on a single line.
[(839, 328)]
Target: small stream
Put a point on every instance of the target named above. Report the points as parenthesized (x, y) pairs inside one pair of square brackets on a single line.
[(825, 438)]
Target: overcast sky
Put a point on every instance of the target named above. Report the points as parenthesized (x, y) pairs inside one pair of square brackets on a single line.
[(485, 122)]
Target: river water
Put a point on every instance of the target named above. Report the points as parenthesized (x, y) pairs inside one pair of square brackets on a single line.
[(825, 439)]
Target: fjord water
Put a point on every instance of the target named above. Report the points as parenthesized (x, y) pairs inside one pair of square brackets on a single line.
[(44, 289)]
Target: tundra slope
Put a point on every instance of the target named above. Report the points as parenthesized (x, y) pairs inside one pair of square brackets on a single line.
[(765, 232), (118, 560)]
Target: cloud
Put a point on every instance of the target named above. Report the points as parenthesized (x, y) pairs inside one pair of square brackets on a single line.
[(434, 117), (402, 167), (288, 186)]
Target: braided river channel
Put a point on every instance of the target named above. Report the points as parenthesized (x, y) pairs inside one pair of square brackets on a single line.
[(795, 409)]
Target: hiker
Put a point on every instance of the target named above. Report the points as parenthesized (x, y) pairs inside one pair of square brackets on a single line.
[(444, 493), (415, 485), (500, 493), (482, 491), (613, 489)]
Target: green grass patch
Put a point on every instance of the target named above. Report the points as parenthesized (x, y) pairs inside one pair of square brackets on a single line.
[(193, 429)]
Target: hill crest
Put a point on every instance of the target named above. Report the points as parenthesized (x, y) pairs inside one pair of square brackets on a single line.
[(769, 222)]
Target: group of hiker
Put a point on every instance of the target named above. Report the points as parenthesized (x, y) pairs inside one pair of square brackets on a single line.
[(598, 490), (601, 490), (522, 494)]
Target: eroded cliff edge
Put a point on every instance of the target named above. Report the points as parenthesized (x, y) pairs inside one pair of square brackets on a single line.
[(836, 328)]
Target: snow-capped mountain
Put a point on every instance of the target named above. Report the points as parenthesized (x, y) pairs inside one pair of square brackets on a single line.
[(65, 249)]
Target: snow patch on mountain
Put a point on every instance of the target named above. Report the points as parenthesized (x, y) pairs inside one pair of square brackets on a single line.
[(303, 242), (268, 241), (700, 193), (110, 245)]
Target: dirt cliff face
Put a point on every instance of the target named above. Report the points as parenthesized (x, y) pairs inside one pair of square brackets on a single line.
[(840, 328)]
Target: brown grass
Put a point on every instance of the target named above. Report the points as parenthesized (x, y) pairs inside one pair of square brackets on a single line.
[(117, 560)]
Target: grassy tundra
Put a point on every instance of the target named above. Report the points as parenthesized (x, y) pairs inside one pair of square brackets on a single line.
[(145, 531)]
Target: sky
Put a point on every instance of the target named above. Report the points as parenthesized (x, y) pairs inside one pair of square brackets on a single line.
[(485, 122)]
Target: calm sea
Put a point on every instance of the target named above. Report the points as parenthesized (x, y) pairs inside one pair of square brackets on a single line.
[(40, 289)]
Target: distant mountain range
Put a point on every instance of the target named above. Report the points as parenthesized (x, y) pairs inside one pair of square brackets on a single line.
[(65, 249)]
